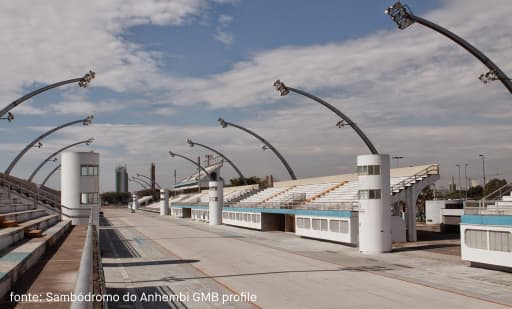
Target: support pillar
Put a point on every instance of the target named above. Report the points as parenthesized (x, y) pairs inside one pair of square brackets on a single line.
[(374, 203), (164, 202), (135, 202), (216, 193)]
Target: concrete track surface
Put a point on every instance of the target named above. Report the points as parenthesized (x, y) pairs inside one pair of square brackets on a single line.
[(196, 265)]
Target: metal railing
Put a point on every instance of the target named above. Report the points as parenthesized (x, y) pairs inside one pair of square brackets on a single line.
[(90, 279), (492, 204), (40, 196), (348, 205), (430, 170), (488, 207), (498, 193)]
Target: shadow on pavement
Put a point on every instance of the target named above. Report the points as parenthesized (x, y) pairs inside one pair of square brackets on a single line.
[(113, 244), (149, 263), (354, 269)]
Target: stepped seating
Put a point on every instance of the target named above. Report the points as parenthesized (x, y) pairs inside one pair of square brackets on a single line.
[(194, 198), (342, 194), (314, 197), (238, 195), (16, 260), (307, 190), (28, 226), (261, 196)]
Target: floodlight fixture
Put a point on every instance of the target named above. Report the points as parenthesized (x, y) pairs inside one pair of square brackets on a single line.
[(222, 122), (224, 158), (82, 82), (88, 120), (88, 77), (281, 87), (344, 118), (10, 117), (401, 15)]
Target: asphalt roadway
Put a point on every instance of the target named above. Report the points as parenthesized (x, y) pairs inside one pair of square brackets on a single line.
[(165, 262)]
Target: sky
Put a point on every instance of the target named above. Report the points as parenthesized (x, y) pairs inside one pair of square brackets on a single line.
[(167, 70)]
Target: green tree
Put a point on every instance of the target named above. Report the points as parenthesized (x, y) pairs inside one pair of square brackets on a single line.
[(476, 192), (494, 184), (250, 181), (115, 197)]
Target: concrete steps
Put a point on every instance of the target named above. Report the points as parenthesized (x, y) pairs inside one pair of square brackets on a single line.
[(22, 216), (16, 207), (17, 261), (11, 235)]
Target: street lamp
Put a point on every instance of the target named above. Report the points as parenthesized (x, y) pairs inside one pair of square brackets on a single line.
[(86, 121), (242, 178), (403, 17), (82, 83), (10, 117), (139, 183), (225, 124), (173, 154), (143, 181), (284, 90), (397, 158), (144, 176), (50, 175), (49, 158), (466, 178), (458, 165), (483, 169)]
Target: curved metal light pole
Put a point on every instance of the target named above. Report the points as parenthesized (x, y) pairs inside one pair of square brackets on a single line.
[(403, 17), (50, 175), (139, 183), (173, 154), (284, 90), (242, 178), (224, 124), (86, 121), (143, 181), (87, 142), (82, 82), (144, 176)]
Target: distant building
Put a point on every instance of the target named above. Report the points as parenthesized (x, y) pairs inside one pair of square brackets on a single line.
[(121, 179)]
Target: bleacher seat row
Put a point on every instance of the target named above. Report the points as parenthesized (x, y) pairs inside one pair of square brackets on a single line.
[(28, 226)]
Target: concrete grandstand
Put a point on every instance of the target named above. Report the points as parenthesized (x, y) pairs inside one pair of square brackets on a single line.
[(320, 207)]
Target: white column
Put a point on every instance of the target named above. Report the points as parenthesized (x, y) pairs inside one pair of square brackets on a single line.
[(80, 186), (374, 203), (164, 202), (216, 194), (135, 202)]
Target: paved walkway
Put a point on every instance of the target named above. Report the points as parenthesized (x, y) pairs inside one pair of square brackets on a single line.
[(144, 253), (55, 273)]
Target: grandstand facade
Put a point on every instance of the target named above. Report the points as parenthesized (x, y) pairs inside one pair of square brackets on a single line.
[(319, 207)]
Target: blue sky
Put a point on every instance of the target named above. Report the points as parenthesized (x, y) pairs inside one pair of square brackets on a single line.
[(167, 70)]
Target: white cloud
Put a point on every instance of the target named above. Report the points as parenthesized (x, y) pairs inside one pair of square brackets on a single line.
[(221, 34), (391, 74), (45, 42), (85, 108)]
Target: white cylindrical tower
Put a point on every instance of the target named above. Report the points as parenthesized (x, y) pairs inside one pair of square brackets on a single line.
[(80, 186), (374, 203), (216, 202), (135, 201), (164, 202)]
